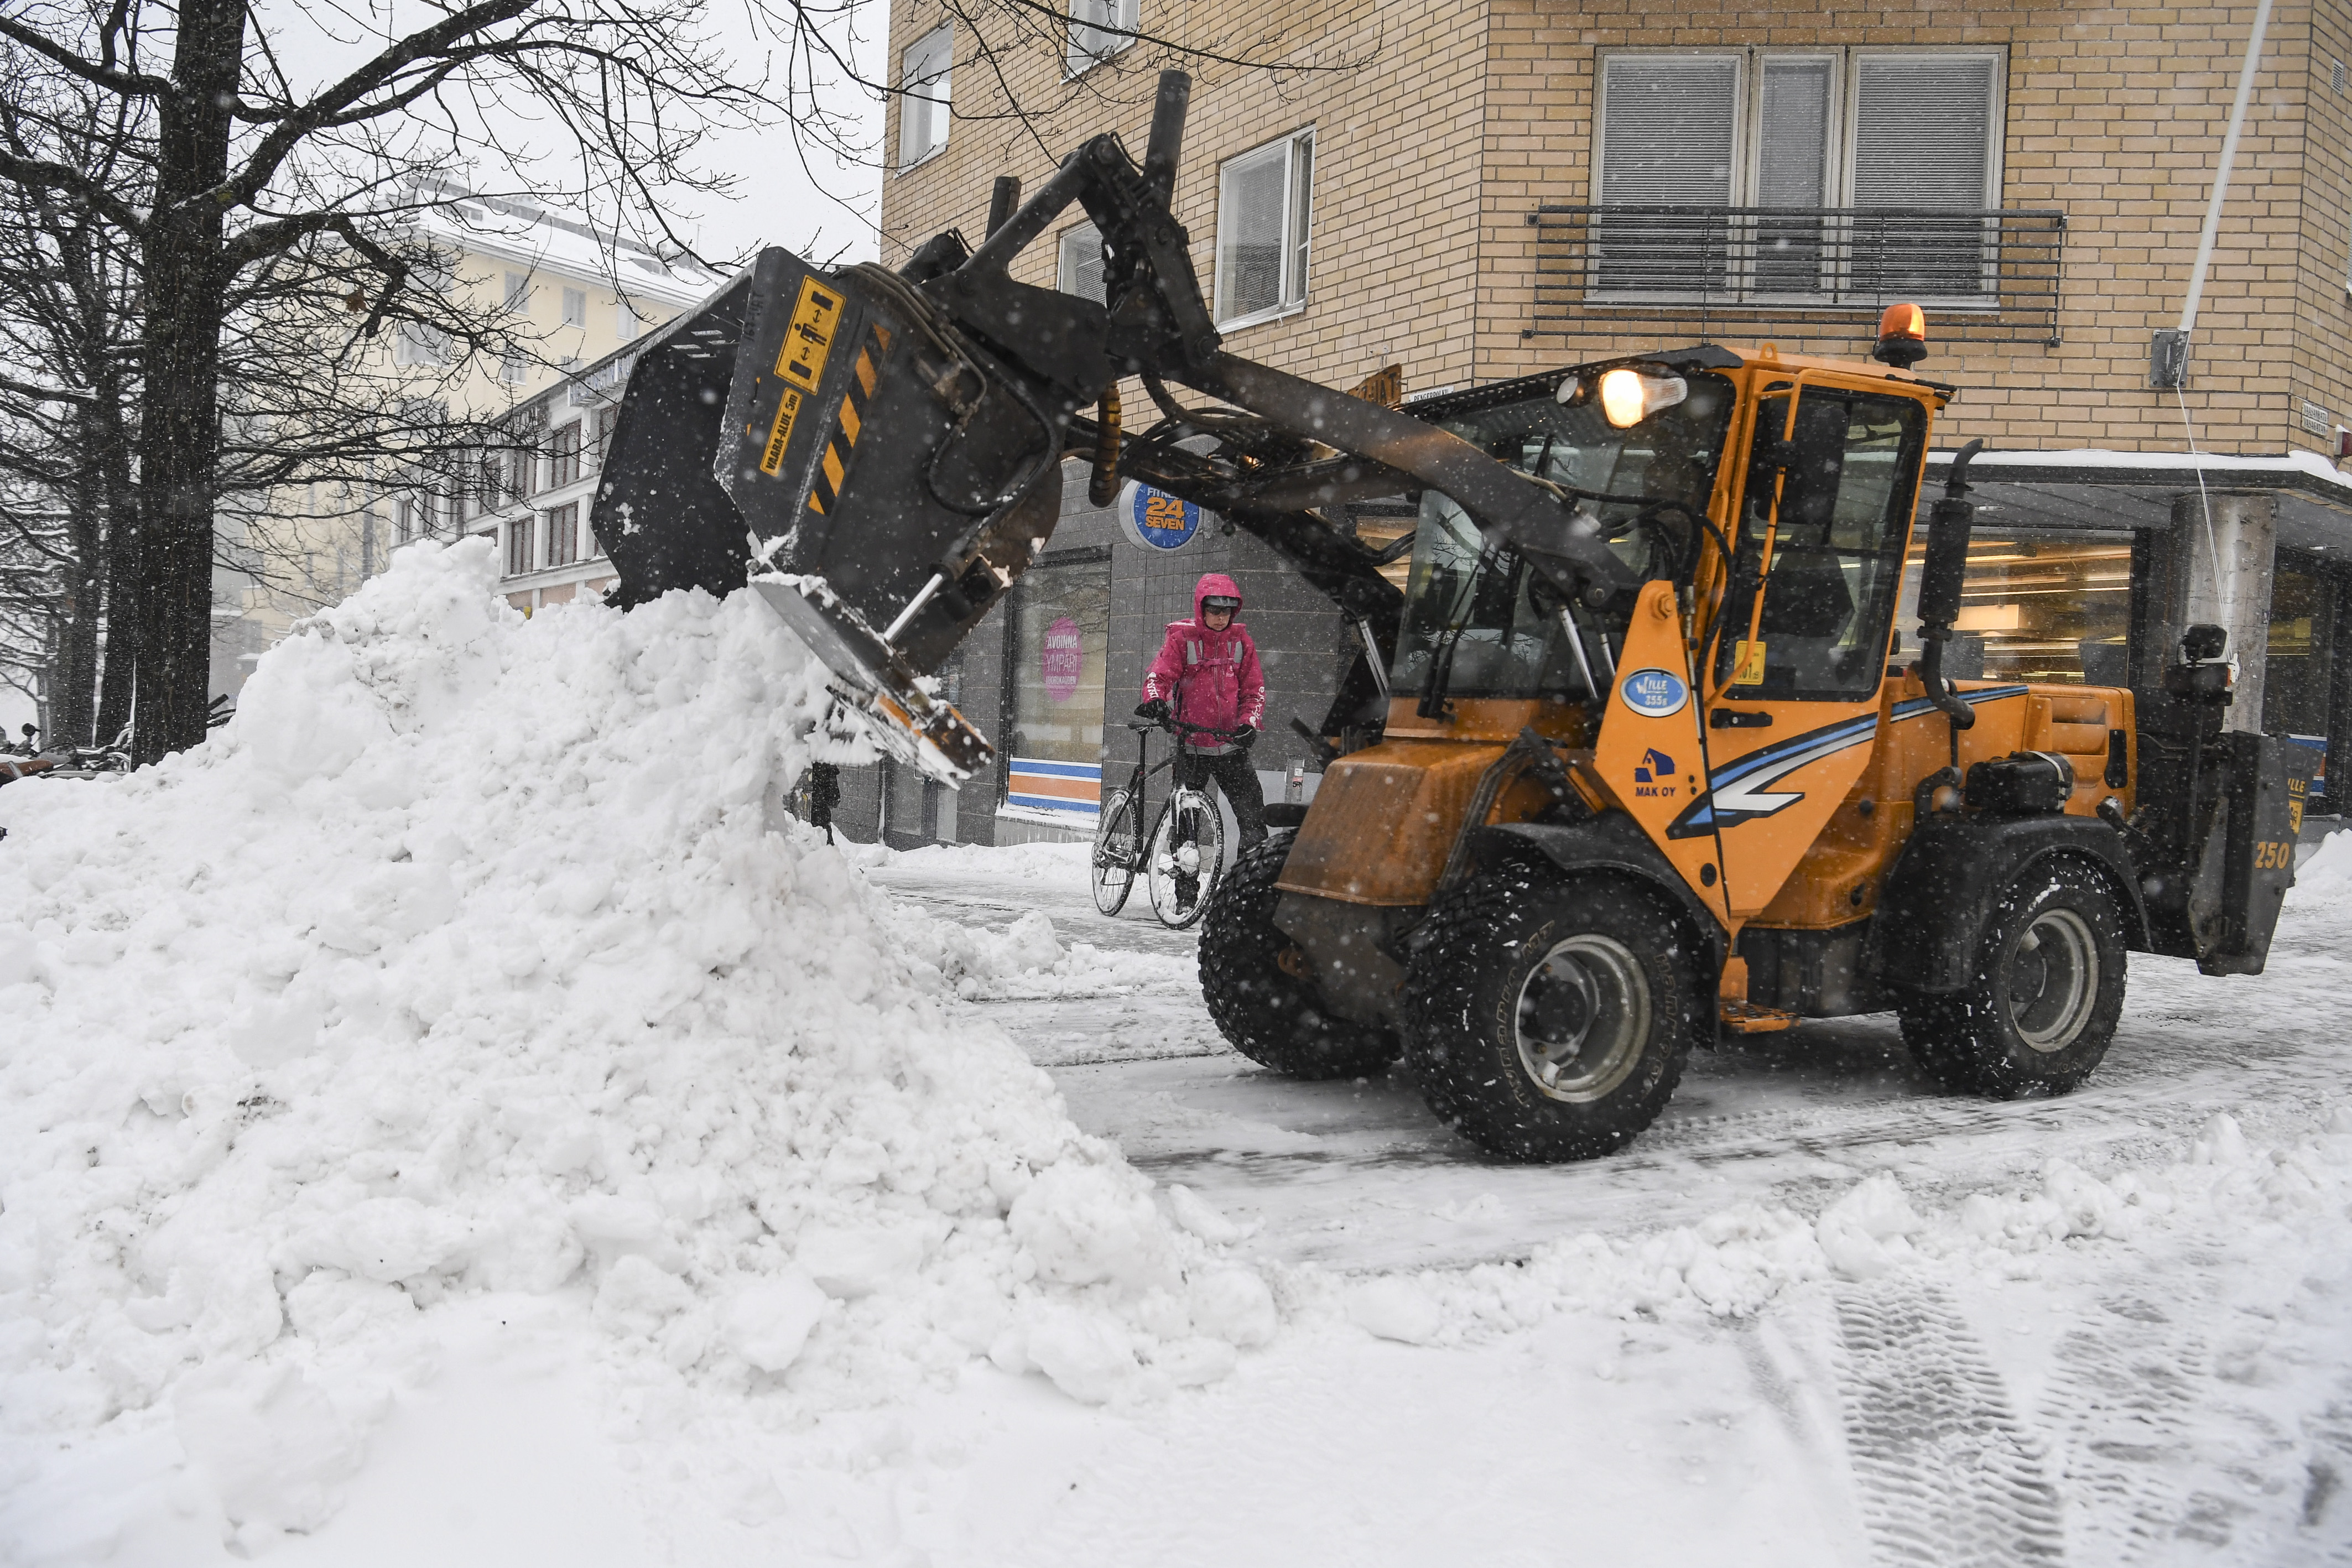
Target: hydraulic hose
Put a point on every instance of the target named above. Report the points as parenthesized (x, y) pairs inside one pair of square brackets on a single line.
[(1102, 485)]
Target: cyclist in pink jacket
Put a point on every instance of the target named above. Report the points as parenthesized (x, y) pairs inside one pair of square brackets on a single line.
[(1207, 673)]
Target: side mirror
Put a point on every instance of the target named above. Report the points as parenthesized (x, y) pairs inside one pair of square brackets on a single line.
[(1946, 566)]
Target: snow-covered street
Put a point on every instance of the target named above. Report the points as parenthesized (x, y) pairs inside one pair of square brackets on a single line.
[(452, 1117)]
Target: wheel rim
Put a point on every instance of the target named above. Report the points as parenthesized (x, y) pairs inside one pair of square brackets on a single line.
[(2054, 980), (1115, 860), (1582, 1018), (1178, 854)]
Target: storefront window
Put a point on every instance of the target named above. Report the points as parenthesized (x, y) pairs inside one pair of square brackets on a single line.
[(2035, 607), (1060, 645), (2302, 646)]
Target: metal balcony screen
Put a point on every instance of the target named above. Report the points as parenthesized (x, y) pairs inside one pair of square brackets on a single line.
[(1992, 274)]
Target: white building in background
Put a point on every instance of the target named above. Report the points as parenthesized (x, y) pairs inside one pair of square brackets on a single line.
[(533, 502), (578, 296)]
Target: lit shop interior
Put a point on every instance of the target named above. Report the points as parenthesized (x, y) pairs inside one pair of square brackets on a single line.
[(2061, 607)]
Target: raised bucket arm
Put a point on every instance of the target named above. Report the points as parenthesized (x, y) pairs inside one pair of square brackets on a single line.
[(880, 453)]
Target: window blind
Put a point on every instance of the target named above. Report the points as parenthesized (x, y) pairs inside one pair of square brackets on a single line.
[(1923, 131), (1081, 270), (1792, 134), (1251, 204), (1669, 128), (1923, 138)]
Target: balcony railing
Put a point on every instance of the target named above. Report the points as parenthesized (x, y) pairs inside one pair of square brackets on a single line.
[(1824, 272)]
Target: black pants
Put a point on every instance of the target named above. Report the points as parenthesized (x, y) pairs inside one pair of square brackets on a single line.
[(1237, 777)]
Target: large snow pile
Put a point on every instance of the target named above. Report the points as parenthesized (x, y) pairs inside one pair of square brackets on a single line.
[(474, 956)]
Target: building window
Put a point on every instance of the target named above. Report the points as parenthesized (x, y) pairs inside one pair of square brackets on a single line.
[(624, 322), (518, 545), (575, 307), (415, 343), (563, 456), (403, 522), (1057, 661), (1099, 30), (1263, 206), (1827, 137), (606, 418), (519, 292), (510, 369), (563, 531), (1081, 271), (923, 103)]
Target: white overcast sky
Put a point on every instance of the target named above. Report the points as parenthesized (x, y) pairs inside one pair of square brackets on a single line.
[(790, 192)]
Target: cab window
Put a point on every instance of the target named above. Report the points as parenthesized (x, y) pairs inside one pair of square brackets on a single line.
[(1828, 566)]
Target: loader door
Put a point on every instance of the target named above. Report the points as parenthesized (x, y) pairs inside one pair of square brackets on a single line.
[(1796, 657)]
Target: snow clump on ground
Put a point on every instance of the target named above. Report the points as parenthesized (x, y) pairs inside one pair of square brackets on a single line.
[(474, 956)]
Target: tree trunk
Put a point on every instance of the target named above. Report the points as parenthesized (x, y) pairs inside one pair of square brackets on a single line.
[(74, 676), (119, 683), (179, 448)]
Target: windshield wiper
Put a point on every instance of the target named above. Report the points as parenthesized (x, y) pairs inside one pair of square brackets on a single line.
[(1432, 703)]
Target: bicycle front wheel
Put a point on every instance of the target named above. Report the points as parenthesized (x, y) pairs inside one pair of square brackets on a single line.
[(1118, 852), (1187, 855)]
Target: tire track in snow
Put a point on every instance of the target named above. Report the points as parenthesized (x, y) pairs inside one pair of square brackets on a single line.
[(2123, 1393), (1950, 1477), (2328, 1487)]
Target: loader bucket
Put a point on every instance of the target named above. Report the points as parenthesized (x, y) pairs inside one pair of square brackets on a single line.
[(832, 440)]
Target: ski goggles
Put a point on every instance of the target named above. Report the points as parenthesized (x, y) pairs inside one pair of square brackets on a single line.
[(1227, 605)]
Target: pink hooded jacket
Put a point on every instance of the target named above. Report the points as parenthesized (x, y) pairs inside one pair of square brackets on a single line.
[(1209, 677)]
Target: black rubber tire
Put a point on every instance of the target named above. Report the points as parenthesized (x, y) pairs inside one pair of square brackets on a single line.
[(1484, 961), (1166, 888), (1974, 1042), (1117, 853), (1271, 1015)]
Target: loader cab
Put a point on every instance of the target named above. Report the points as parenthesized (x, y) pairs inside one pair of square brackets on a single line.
[(1824, 514), (1483, 626)]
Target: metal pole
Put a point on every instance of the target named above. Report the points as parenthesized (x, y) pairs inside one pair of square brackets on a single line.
[(2221, 177)]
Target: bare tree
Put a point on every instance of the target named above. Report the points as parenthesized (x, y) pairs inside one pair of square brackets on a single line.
[(69, 310), (252, 172), (251, 193)]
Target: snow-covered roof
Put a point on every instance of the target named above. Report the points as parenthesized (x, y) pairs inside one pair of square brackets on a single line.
[(515, 230)]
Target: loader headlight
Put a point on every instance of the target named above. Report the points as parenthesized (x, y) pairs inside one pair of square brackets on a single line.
[(1629, 396)]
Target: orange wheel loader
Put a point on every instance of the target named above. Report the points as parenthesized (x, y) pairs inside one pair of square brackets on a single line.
[(1635, 759)]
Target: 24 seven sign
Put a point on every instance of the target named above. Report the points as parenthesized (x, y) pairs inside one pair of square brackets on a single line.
[(1156, 520)]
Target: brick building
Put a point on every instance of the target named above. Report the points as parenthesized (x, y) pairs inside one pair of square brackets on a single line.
[(1482, 189)]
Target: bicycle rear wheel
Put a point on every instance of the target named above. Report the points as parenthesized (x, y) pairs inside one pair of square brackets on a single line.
[(1186, 857), (1118, 852)]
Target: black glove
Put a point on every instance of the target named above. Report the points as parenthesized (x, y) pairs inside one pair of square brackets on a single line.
[(1246, 737), (1156, 708)]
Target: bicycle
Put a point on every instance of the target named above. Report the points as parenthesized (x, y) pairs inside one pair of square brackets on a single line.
[(1182, 855)]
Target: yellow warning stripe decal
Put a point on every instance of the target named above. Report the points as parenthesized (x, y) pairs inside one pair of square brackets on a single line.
[(851, 422)]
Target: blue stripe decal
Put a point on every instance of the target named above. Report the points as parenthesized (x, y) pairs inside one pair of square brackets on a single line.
[(1742, 791), (1053, 803), (1057, 769)]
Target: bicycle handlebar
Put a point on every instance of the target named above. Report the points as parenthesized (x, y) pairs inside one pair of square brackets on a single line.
[(1177, 726)]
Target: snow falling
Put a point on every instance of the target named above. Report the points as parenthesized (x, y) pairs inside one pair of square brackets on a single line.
[(465, 1029)]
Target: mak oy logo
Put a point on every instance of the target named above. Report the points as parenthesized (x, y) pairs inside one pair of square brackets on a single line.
[(1652, 773), (1653, 694)]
